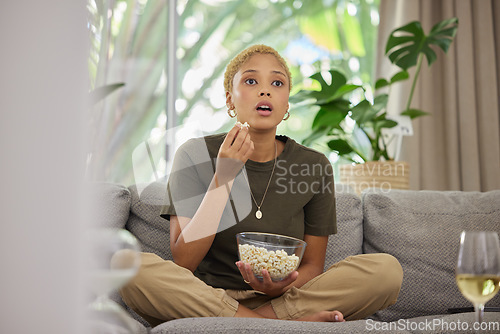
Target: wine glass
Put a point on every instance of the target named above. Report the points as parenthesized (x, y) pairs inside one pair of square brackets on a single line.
[(112, 259), (478, 268)]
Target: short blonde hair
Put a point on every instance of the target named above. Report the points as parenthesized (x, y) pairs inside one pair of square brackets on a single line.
[(235, 64)]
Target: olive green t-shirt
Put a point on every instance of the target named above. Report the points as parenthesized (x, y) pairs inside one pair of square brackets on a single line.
[(300, 200)]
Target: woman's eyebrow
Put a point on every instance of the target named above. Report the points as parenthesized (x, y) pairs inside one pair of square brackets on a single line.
[(279, 72), (255, 71), (249, 71)]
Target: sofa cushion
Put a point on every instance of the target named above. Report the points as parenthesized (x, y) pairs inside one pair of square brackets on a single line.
[(152, 231), (349, 238), (224, 325), (109, 204), (422, 229)]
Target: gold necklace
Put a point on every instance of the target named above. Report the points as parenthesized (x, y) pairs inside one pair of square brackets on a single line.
[(258, 213)]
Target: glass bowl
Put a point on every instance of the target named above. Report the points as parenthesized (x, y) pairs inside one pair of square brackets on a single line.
[(280, 255)]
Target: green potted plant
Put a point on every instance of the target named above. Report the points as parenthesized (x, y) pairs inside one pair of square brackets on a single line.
[(355, 130)]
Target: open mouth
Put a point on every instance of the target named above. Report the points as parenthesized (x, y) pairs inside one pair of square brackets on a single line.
[(264, 108)]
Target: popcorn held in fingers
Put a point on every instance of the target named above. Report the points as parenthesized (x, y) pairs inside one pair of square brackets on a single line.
[(278, 263), (244, 125)]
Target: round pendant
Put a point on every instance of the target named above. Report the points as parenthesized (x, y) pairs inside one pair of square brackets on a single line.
[(258, 214)]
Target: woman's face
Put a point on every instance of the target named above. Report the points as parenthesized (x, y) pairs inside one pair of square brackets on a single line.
[(260, 92)]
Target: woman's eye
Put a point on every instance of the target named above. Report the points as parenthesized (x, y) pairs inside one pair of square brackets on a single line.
[(278, 83), (250, 81)]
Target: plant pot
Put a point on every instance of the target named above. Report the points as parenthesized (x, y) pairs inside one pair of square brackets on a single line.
[(385, 175)]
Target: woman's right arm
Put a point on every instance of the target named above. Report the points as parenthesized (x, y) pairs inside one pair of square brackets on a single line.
[(191, 238)]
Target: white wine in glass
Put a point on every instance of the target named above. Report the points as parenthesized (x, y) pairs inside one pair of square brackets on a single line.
[(478, 268)]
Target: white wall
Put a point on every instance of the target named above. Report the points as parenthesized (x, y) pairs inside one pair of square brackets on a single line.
[(43, 46)]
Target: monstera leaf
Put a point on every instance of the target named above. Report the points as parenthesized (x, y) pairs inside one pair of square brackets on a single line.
[(333, 105), (400, 76), (405, 44), (333, 124), (330, 91)]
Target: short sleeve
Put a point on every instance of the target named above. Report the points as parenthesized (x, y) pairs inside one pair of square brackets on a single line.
[(319, 212), (188, 181)]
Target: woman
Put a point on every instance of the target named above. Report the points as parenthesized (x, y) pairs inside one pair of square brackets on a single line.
[(258, 182)]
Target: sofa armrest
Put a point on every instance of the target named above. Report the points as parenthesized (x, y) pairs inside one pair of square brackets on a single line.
[(109, 204)]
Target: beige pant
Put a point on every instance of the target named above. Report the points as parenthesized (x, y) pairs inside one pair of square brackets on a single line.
[(357, 286)]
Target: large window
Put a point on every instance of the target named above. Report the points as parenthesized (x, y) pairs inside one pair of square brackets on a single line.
[(130, 45)]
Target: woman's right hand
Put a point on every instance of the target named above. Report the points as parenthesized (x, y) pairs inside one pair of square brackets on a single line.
[(233, 154)]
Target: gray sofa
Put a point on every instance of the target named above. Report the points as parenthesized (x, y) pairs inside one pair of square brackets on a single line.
[(420, 228)]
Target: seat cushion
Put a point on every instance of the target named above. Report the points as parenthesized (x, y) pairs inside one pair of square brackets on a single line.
[(259, 326), (422, 230)]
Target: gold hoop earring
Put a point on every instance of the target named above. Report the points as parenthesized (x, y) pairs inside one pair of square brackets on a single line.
[(229, 113), (287, 115)]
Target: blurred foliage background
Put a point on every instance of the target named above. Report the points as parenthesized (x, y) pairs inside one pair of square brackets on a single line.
[(129, 45)]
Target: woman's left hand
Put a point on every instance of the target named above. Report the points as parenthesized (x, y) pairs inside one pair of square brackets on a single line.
[(267, 286)]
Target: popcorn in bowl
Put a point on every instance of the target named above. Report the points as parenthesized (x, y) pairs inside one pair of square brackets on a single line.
[(278, 263), (280, 255)]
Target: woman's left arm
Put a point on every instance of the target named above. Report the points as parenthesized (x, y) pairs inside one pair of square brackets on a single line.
[(313, 261), (311, 266)]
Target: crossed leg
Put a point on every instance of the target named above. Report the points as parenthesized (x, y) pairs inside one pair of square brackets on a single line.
[(351, 289)]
